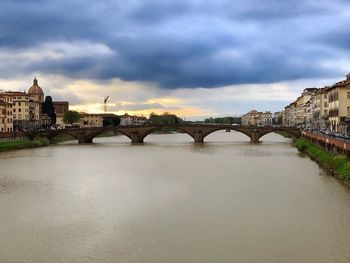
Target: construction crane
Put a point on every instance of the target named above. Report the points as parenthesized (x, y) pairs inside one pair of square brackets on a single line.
[(105, 103)]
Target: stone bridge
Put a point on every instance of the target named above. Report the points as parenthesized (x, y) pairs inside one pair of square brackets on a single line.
[(197, 131)]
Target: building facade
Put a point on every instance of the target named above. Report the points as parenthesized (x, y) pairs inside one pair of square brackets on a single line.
[(61, 107), (89, 120), (337, 106), (257, 118), (6, 115)]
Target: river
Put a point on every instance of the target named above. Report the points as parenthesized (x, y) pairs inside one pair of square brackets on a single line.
[(170, 200)]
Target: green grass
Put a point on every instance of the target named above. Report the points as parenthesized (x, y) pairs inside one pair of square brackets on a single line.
[(339, 163), (285, 134), (17, 145)]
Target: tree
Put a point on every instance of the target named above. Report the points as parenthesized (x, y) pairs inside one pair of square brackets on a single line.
[(165, 118), (71, 116), (49, 109)]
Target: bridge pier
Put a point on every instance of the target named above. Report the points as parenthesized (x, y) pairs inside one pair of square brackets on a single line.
[(254, 137), (136, 138), (83, 138), (198, 137)]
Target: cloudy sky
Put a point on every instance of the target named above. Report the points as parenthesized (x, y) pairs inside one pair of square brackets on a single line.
[(195, 58)]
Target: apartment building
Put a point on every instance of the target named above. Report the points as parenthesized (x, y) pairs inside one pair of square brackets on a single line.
[(6, 119), (337, 105), (320, 109), (127, 119), (266, 118), (257, 118), (88, 120)]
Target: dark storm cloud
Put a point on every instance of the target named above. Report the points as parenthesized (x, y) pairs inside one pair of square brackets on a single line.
[(175, 43)]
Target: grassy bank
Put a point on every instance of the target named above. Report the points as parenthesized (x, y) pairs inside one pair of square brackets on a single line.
[(17, 145), (285, 134), (338, 164)]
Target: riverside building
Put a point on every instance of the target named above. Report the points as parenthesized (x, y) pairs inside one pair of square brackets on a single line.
[(6, 117)]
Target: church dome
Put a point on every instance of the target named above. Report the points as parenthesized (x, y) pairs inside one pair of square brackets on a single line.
[(35, 89)]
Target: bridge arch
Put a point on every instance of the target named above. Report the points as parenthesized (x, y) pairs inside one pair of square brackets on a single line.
[(63, 132), (157, 128), (225, 128), (94, 134), (290, 132)]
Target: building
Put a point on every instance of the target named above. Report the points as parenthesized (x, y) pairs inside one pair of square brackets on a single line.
[(127, 119), (257, 118), (139, 120), (320, 109), (35, 92), (266, 118), (278, 118), (289, 115), (26, 107), (337, 105), (61, 107), (25, 111), (299, 112), (88, 120), (253, 118), (6, 114)]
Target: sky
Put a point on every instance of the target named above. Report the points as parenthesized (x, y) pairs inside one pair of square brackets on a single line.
[(194, 58)]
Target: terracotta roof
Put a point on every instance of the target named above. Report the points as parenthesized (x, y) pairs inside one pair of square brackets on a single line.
[(14, 93)]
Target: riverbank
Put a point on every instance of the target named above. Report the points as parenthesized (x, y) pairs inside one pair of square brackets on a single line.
[(335, 164), (18, 145)]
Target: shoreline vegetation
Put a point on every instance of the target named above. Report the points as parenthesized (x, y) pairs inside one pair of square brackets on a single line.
[(25, 144), (336, 165), (42, 142)]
